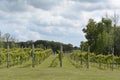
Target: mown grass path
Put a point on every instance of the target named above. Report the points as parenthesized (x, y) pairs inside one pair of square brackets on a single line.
[(43, 71)]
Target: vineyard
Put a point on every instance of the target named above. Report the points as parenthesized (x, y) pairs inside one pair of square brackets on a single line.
[(19, 56), (39, 64), (47, 66), (27, 62), (36, 56)]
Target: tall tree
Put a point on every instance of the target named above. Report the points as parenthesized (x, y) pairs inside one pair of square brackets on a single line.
[(115, 20), (99, 35), (91, 34)]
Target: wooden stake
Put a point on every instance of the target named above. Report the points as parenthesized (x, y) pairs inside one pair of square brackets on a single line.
[(88, 57), (7, 55), (113, 59), (61, 51), (33, 56)]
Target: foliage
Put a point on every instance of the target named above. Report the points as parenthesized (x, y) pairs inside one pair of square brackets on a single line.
[(44, 44), (101, 37), (18, 55)]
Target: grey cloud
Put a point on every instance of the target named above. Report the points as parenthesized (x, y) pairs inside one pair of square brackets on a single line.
[(71, 15), (90, 1), (42, 30), (24, 5), (75, 10), (62, 23), (51, 29), (90, 7), (13, 5), (43, 4)]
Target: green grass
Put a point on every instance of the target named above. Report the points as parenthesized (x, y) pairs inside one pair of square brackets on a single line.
[(45, 72)]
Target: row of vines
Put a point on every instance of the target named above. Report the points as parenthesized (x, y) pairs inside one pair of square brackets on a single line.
[(21, 55), (100, 61)]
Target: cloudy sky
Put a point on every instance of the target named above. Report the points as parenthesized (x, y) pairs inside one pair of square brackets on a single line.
[(57, 20)]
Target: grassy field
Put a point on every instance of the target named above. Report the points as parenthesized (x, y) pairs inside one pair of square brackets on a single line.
[(45, 72)]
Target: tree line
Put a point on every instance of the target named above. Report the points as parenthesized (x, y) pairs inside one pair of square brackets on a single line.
[(6, 40), (103, 37), (45, 44)]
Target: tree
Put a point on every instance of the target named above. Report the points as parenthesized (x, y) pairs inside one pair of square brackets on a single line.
[(99, 35), (115, 20), (91, 34), (1, 40), (117, 42), (108, 35), (84, 46), (104, 43)]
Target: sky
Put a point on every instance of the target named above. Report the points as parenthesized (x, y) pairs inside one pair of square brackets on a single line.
[(54, 20)]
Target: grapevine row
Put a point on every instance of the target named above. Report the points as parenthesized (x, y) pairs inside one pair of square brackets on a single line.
[(18, 55), (101, 60)]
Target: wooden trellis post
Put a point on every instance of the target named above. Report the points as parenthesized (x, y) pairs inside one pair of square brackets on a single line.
[(33, 56), (113, 59), (88, 57), (61, 52), (8, 60)]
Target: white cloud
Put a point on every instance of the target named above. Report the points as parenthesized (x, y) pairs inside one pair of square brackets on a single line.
[(58, 20)]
